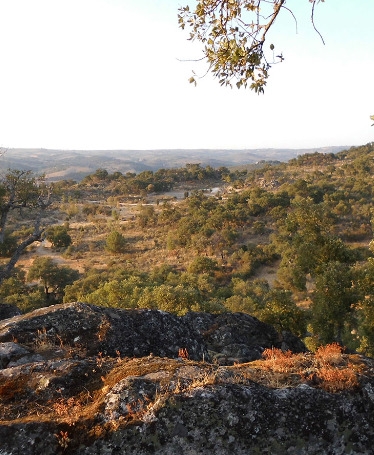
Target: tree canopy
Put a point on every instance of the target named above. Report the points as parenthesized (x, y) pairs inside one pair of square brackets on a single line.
[(53, 277), (233, 33), (58, 236), (27, 196)]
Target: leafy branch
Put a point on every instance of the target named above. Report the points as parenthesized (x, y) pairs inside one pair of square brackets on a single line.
[(233, 33)]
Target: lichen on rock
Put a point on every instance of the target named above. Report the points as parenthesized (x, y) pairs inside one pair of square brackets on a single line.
[(81, 379)]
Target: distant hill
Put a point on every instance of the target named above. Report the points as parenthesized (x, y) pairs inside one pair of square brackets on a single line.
[(76, 164)]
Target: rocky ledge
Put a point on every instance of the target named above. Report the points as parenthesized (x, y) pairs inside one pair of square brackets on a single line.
[(81, 379)]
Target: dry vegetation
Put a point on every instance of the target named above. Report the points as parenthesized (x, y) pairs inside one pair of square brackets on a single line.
[(329, 369)]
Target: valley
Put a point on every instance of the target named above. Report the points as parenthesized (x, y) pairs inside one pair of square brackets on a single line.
[(287, 242), (77, 164)]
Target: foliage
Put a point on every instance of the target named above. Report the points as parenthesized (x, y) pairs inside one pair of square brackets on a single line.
[(364, 308), (306, 243), (295, 224), (58, 236), (53, 277), (332, 303), (8, 245), (147, 181), (116, 243), (274, 306), (147, 216), (281, 311), (27, 195), (202, 264), (92, 280), (233, 34), (328, 369)]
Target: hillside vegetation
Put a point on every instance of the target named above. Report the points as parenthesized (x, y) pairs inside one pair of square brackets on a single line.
[(76, 164), (288, 243)]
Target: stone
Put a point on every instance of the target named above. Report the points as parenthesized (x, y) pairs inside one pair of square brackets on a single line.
[(84, 380), (8, 311), (10, 352), (237, 337)]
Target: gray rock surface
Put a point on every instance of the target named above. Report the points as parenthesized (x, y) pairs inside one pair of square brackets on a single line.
[(107, 330), (8, 311), (11, 350), (82, 380), (226, 338), (238, 337)]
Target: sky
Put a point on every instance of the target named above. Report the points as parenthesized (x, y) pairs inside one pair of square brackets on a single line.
[(113, 74)]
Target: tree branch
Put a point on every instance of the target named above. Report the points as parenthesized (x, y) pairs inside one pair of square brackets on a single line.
[(40, 201), (6, 271), (312, 17)]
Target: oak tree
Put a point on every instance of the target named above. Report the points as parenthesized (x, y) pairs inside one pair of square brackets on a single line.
[(53, 277), (58, 236), (23, 197)]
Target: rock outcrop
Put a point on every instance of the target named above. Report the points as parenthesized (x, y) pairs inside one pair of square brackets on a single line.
[(238, 337), (8, 311), (81, 379), (226, 338)]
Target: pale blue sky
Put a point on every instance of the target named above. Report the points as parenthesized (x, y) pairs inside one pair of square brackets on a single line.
[(106, 74)]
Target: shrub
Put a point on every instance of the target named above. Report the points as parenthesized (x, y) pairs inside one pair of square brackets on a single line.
[(328, 369), (116, 243), (58, 236), (330, 354), (202, 264)]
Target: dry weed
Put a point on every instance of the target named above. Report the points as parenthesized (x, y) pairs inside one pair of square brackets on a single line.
[(63, 439), (328, 369), (43, 341), (331, 354), (337, 379), (183, 353), (281, 361), (70, 410)]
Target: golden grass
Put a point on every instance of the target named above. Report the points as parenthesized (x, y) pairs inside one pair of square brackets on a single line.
[(329, 369)]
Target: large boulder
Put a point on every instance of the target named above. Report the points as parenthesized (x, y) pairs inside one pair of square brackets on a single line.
[(226, 339), (238, 337), (175, 406), (8, 311), (113, 332), (82, 379)]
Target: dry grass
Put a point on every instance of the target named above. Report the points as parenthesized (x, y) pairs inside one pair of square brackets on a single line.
[(69, 410), (331, 354), (76, 409), (329, 369)]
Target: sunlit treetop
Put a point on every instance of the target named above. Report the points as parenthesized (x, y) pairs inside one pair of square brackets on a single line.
[(233, 33)]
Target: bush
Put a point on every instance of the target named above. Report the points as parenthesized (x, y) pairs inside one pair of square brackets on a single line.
[(115, 243), (58, 236), (8, 246), (202, 264)]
